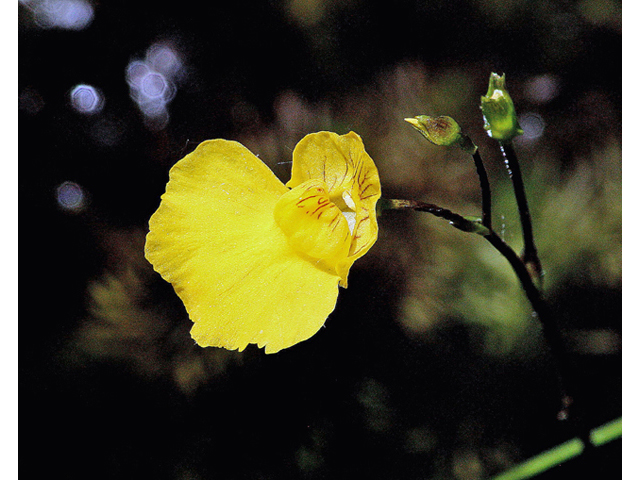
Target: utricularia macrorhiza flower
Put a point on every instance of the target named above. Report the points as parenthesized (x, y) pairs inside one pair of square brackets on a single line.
[(256, 261)]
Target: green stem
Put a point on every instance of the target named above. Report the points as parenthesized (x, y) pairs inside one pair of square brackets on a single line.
[(563, 452)]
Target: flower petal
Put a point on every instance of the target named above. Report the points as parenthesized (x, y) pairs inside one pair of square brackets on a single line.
[(312, 223), (352, 179), (339, 160), (275, 298), (214, 237)]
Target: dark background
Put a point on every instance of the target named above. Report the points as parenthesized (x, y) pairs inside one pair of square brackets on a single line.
[(110, 383)]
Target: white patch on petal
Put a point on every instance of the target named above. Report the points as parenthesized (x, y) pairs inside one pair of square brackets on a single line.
[(351, 219), (348, 200)]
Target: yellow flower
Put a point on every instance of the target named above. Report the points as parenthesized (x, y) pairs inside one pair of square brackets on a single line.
[(253, 260)]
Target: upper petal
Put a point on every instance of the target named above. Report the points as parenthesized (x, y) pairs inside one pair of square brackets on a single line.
[(338, 160), (352, 179)]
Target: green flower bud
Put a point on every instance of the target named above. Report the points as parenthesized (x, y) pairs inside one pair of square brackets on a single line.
[(499, 113), (443, 131)]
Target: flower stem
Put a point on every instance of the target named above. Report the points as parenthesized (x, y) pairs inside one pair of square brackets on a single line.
[(530, 254), (458, 221), (543, 312), (485, 188), (552, 335)]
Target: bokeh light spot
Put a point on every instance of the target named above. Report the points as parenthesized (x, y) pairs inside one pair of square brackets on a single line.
[(70, 196), (86, 99), (542, 88), (136, 71), (152, 83), (533, 126), (64, 14), (164, 59)]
